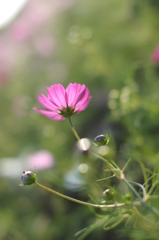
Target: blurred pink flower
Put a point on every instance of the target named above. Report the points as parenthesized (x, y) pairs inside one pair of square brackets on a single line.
[(39, 12), (21, 30), (62, 103), (41, 160), (155, 55)]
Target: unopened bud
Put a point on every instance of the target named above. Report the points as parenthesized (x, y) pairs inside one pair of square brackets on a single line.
[(28, 178), (106, 192), (127, 197), (101, 140), (108, 195)]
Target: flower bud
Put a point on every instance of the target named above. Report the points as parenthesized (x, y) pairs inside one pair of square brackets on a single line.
[(101, 140), (127, 197), (28, 178), (106, 192), (108, 195)]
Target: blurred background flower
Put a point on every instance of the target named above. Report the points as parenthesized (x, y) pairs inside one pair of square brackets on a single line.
[(41, 160), (155, 56)]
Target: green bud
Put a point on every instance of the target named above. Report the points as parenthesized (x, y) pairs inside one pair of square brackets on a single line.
[(127, 197), (101, 140), (28, 178)]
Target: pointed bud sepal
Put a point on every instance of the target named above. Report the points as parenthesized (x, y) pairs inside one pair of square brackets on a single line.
[(28, 178), (101, 140), (67, 112)]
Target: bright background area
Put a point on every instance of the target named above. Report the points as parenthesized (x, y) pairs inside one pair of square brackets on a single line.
[(107, 45), (9, 9)]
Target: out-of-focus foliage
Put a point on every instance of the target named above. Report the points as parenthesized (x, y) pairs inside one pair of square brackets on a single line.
[(107, 45)]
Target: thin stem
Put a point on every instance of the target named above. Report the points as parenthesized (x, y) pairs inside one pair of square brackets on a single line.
[(117, 221), (141, 186), (132, 189), (73, 129), (103, 179), (146, 182), (146, 220), (78, 201), (119, 174), (89, 229), (153, 187)]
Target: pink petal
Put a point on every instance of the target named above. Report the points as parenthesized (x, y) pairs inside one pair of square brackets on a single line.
[(56, 93), (45, 102), (80, 93), (82, 98), (75, 95), (80, 108), (73, 92), (53, 115), (49, 93)]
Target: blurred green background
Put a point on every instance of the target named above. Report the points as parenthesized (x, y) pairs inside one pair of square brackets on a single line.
[(108, 46)]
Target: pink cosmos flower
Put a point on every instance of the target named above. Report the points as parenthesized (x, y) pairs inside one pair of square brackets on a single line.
[(41, 160), (62, 103), (155, 56)]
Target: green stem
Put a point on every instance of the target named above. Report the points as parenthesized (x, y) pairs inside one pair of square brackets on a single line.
[(116, 172), (78, 201), (141, 186), (146, 220), (73, 129), (115, 222), (89, 229), (131, 188), (153, 187)]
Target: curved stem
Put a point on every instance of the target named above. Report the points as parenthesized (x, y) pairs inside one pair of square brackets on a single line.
[(141, 186), (78, 201), (116, 221)]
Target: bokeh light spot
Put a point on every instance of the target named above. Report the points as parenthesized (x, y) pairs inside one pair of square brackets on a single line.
[(84, 144), (103, 150), (83, 168)]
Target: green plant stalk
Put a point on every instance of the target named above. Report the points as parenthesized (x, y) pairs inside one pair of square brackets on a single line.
[(73, 129), (153, 187), (115, 222), (142, 187), (146, 220), (119, 176), (103, 179), (89, 229), (115, 171), (78, 201)]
